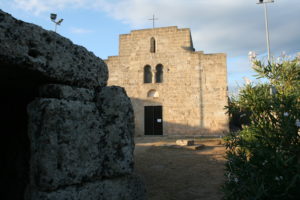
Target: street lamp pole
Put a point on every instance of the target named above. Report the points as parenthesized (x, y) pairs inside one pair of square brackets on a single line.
[(53, 18), (266, 23), (267, 30)]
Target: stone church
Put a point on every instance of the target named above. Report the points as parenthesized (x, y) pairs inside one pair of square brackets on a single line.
[(174, 89)]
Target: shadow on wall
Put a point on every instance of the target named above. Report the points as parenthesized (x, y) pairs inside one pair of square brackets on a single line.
[(181, 129), (188, 48), (171, 128)]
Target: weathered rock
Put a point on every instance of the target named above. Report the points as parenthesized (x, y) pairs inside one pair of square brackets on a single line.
[(66, 145), (53, 57), (124, 188), (74, 141), (117, 115), (66, 92)]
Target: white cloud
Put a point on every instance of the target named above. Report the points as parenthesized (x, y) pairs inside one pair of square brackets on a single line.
[(39, 6), (34, 6), (80, 30), (233, 27)]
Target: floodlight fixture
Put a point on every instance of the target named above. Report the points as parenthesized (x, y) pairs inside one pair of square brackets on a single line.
[(60, 21), (265, 1), (266, 23), (53, 17)]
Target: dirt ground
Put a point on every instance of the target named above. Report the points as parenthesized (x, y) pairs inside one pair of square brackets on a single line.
[(172, 173)]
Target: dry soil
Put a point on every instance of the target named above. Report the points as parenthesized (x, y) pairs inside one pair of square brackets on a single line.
[(176, 173)]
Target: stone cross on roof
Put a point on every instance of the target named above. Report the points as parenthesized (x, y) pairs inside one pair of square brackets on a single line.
[(153, 20)]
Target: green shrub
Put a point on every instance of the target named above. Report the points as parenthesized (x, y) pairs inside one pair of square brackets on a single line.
[(263, 159), (238, 117)]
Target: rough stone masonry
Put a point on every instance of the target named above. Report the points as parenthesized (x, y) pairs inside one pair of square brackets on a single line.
[(175, 90), (64, 133)]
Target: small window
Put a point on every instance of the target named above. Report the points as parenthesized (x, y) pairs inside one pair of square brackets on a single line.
[(159, 74), (147, 74), (152, 45)]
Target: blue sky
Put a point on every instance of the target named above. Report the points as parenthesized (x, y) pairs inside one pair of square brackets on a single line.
[(234, 27)]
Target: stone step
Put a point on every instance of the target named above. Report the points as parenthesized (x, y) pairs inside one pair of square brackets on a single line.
[(185, 142)]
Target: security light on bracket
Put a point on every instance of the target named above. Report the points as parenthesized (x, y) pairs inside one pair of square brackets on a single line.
[(265, 1), (59, 21), (53, 17)]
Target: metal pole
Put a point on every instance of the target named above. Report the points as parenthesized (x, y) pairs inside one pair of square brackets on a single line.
[(267, 31)]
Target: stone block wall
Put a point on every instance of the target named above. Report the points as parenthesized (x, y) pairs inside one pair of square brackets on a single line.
[(214, 81), (193, 93), (137, 42), (82, 148), (74, 139)]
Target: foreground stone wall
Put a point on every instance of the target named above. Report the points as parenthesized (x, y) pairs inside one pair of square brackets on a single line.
[(80, 131), (193, 93), (82, 148)]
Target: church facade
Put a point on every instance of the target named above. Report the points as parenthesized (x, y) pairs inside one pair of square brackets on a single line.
[(174, 89)]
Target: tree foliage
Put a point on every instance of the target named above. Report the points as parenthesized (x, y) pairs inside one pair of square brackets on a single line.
[(263, 159)]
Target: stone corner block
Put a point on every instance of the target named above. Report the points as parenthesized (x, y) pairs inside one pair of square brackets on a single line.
[(117, 114)]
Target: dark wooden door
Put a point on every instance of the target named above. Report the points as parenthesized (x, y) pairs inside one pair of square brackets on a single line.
[(149, 120), (153, 120)]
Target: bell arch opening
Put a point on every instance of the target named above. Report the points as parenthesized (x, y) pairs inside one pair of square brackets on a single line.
[(147, 74), (152, 45), (159, 73)]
